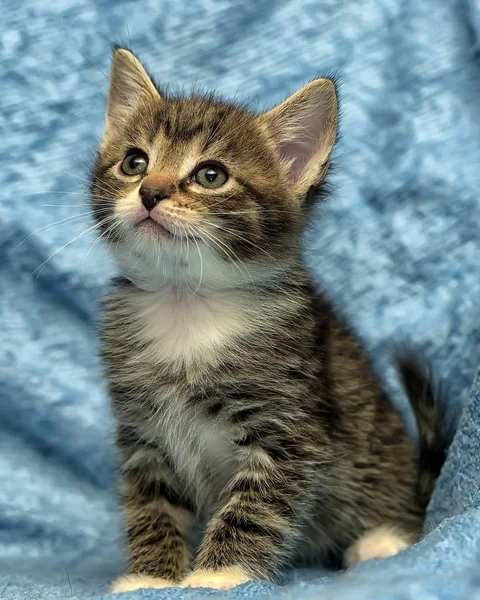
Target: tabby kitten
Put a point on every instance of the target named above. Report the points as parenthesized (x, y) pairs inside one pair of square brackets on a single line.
[(242, 400)]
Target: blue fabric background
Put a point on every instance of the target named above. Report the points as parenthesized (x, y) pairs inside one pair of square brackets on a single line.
[(397, 246)]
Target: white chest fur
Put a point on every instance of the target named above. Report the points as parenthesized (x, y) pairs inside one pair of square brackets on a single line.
[(200, 450), (180, 327)]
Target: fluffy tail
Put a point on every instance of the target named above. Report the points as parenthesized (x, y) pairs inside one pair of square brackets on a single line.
[(428, 407)]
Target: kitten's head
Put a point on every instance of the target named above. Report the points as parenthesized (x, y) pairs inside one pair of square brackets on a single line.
[(201, 192)]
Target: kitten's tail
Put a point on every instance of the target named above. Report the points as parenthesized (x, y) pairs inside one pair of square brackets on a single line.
[(429, 407)]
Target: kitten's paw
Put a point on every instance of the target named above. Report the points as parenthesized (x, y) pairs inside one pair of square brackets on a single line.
[(130, 583), (377, 543), (219, 580)]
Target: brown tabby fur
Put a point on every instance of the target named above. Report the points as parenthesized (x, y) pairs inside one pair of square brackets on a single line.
[(277, 434)]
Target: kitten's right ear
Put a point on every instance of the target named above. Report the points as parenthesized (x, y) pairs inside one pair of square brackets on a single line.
[(130, 87)]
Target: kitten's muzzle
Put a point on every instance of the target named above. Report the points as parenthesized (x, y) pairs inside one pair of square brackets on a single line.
[(151, 196)]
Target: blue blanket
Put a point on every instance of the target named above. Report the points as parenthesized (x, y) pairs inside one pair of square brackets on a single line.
[(397, 247)]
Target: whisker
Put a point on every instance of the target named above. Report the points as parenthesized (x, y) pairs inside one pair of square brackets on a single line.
[(257, 211), (108, 230), (229, 231), (39, 269), (223, 199), (103, 189), (109, 189), (84, 194), (43, 193), (45, 228), (95, 241), (108, 202), (84, 204), (227, 251), (201, 267)]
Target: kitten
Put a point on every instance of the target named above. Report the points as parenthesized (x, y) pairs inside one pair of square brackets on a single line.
[(242, 399)]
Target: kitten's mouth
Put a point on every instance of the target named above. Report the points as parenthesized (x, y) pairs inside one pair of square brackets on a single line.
[(155, 226), (150, 225)]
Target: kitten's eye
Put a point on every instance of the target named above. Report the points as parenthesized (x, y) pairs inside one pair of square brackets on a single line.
[(210, 176), (135, 164)]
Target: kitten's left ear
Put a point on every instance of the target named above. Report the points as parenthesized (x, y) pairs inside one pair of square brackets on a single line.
[(130, 88), (304, 129)]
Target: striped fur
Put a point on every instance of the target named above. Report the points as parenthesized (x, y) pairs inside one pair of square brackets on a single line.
[(242, 400)]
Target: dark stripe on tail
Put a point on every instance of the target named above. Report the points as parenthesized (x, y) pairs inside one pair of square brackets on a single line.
[(428, 406)]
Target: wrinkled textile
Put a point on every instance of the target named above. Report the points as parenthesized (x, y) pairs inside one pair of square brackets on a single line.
[(396, 246)]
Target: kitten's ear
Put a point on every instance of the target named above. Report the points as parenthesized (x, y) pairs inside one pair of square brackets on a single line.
[(304, 129), (130, 87)]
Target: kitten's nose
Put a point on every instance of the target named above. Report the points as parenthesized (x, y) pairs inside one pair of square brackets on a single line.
[(152, 196)]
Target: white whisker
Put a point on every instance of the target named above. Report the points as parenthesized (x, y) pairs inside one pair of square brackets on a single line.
[(107, 189), (46, 228), (43, 193), (227, 251), (201, 267), (240, 237), (39, 269), (108, 230)]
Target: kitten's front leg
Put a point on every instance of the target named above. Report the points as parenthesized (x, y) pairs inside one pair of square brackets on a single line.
[(255, 531), (157, 526)]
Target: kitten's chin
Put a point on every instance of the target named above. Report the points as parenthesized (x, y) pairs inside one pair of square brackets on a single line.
[(151, 259), (160, 229), (152, 229), (185, 263)]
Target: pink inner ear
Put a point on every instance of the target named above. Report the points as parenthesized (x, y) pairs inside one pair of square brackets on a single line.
[(297, 153), (306, 138)]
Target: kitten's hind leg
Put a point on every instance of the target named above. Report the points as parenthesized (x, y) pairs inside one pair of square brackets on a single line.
[(379, 542)]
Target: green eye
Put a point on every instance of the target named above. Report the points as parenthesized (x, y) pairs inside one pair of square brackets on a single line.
[(135, 164), (210, 176)]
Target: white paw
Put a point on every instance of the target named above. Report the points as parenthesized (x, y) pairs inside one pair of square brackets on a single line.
[(219, 580), (377, 543), (130, 583)]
